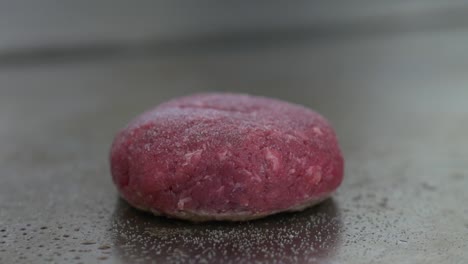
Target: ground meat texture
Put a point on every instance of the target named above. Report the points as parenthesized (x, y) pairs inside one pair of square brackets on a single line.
[(226, 157)]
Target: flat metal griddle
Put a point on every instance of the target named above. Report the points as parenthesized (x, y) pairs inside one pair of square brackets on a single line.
[(398, 103)]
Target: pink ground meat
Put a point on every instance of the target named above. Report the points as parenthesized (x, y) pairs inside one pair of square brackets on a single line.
[(226, 157)]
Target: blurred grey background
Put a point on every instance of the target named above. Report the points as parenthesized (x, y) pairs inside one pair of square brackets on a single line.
[(55, 28)]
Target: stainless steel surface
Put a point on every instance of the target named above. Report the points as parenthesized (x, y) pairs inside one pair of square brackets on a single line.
[(397, 101)]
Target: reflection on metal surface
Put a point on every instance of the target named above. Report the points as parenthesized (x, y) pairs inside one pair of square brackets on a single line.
[(290, 237)]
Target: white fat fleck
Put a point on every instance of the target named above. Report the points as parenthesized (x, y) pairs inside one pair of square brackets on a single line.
[(301, 135), (246, 172), (193, 156), (317, 131), (290, 138), (273, 158), (237, 186), (302, 161), (315, 173), (152, 133), (256, 177), (148, 147), (223, 155), (220, 189), (181, 203)]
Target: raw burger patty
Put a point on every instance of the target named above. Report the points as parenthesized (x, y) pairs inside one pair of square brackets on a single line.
[(226, 157)]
